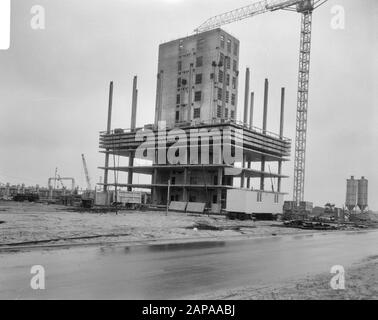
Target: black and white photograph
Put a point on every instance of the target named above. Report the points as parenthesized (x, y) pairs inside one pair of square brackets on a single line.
[(203, 152)]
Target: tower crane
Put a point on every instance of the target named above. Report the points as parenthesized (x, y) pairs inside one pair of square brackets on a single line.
[(89, 186), (305, 8)]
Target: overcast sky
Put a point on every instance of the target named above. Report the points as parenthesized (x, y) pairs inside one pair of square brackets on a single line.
[(54, 83)]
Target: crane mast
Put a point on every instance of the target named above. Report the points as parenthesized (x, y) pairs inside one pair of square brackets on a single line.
[(305, 7), (302, 107)]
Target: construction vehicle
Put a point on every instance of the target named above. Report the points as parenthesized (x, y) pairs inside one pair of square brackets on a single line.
[(305, 8)]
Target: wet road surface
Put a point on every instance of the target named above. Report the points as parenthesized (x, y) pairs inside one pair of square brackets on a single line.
[(175, 271)]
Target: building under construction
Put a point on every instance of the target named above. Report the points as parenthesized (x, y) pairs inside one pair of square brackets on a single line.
[(198, 151)]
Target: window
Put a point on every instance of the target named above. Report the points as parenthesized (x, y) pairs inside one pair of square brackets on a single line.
[(234, 66), (233, 83), (220, 94), (178, 99), (259, 196), (173, 180), (200, 43), (226, 113), (221, 60), (198, 96), (220, 76), (215, 182), (228, 45), (199, 62), (232, 114), (233, 98), (179, 64), (227, 96), (236, 49), (177, 116), (193, 180), (222, 41), (181, 45), (228, 79), (197, 113), (219, 111), (199, 78), (228, 61), (179, 82)]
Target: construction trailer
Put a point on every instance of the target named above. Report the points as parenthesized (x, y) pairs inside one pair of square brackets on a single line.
[(196, 132)]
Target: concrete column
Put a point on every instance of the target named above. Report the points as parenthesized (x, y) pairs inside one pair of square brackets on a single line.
[(265, 119), (224, 88), (281, 134), (249, 179), (219, 190), (242, 178), (251, 110), (190, 94), (154, 189), (251, 113), (133, 127), (159, 96), (108, 129), (266, 93), (185, 189), (246, 96)]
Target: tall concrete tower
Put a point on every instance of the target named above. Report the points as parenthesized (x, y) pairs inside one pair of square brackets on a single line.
[(198, 79)]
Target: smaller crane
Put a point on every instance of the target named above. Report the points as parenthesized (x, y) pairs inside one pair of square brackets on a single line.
[(89, 186)]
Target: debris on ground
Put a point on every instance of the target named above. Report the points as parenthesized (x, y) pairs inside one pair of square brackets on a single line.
[(300, 224)]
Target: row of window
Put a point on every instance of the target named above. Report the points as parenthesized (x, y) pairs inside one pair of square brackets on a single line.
[(198, 80), (219, 113), (222, 59), (234, 48), (227, 98), (228, 43), (197, 97), (221, 77), (227, 60), (196, 114)]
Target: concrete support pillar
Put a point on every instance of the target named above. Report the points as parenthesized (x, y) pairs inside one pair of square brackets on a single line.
[(154, 189), (265, 119), (251, 111), (224, 88), (266, 93), (219, 190), (246, 96), (242, 178), (159, 95), (249, 179), (185, 189), (108, 129), (190, 94), (282, 116), (133, 127)]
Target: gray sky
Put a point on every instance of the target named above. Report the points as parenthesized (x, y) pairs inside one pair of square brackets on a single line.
[(54, 83)]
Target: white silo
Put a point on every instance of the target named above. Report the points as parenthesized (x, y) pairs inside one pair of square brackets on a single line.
[(351, 194), (362, 200)]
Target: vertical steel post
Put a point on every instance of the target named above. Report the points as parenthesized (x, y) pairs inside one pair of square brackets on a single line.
[(108, 129), (282, 115)]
